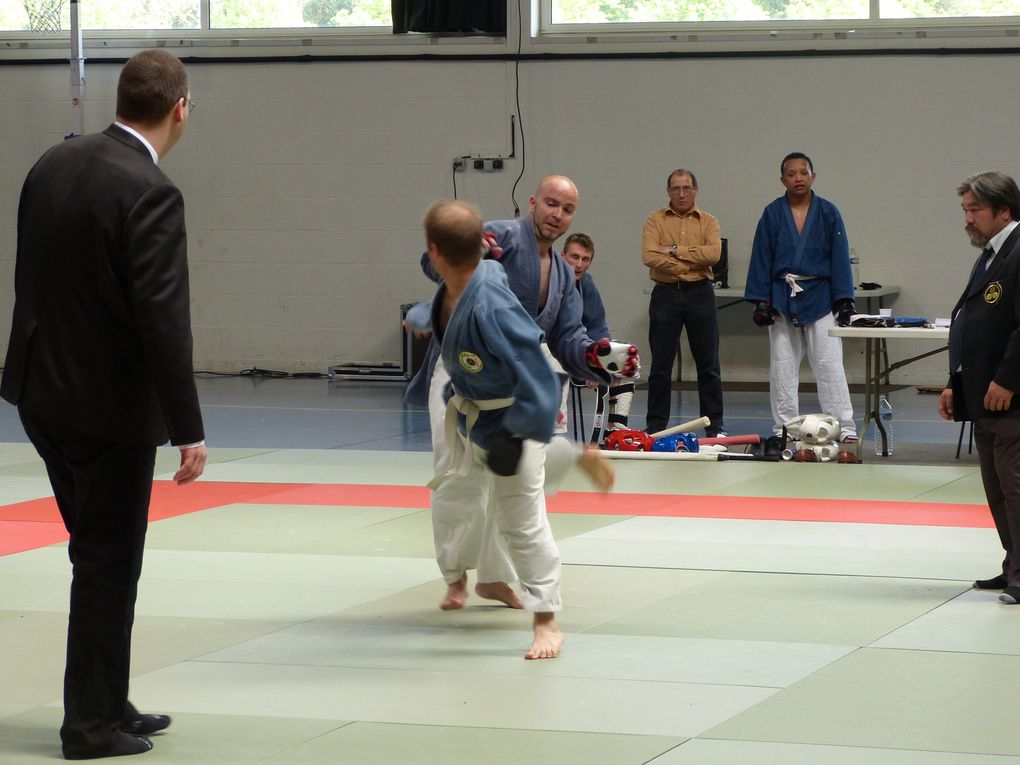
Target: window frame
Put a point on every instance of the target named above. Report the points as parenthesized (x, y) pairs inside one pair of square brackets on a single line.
[(540, 37)]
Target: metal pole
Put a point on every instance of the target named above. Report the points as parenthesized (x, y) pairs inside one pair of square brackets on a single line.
[(77, 75)]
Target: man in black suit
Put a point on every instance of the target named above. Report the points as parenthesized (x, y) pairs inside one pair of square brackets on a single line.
[(100, 366), (984, 360)]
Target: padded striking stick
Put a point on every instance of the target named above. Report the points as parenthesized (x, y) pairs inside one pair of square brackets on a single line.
[(701, 422), (682, 456), (731, 440)]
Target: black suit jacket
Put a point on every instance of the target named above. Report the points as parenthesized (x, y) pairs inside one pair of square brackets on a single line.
[(989, 334), (101, 340)]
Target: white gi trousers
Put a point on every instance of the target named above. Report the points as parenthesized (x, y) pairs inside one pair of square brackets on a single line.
[(825, 355), (497, 524)]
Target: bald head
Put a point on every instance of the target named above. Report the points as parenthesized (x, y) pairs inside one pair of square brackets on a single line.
[(552, 208), (455, 229), (560, 184)]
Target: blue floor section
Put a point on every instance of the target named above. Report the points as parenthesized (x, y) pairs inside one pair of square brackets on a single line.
[(339, 414)]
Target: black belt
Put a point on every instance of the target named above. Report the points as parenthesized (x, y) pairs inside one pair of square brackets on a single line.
[(683, 285)]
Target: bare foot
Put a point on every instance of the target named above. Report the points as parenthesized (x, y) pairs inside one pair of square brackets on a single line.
[(599, 470), (500, 591), (456, 594), (548, 638)]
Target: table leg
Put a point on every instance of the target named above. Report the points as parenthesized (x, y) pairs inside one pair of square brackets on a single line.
[(885, 346), (880, 372), (869, 381)]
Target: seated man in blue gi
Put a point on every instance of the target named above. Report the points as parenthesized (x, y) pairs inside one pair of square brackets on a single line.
[(579, 252), (500, 414), (801, 284)]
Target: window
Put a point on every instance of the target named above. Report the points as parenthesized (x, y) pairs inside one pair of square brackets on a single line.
[(277, 14), (601, 12), (928, 9), (166, 14), (111, 15)]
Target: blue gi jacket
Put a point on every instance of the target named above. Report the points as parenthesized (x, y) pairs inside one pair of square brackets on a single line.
[(593, 313), (492, 349), (560, 319), (820, 250)]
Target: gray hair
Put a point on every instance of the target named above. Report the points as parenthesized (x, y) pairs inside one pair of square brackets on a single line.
[(995, 189)]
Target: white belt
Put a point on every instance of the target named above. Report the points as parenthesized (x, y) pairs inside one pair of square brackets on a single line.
[(792, 280), (461, 457)]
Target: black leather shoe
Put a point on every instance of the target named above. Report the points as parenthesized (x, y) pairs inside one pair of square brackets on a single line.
[(1010, 596), (122, 746), (995, 583), (145, 725)]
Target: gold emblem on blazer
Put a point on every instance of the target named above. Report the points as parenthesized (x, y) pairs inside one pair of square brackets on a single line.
[(470, 362), (993, 292)]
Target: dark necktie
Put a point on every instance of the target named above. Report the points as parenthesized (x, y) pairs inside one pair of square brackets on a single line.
[(977, 278), (980, 269)]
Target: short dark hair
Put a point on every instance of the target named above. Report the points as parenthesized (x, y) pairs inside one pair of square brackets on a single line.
[(582, 239), (995, 189), (796, 155), (151, 82), (678, 171), (455, 228)]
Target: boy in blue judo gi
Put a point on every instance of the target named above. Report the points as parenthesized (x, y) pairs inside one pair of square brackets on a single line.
[(801, 284), (500, 415)]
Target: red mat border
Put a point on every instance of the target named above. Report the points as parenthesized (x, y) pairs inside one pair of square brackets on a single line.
[(36, 523)]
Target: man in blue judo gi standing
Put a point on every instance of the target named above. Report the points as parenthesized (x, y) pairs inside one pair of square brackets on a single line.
[(801, 285)]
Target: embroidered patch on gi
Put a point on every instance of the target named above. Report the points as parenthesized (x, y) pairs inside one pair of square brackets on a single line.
[(470, 362), (992, 293)]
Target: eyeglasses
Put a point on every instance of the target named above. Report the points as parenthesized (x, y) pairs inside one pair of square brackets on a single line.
[(191, 104), (681, 190)]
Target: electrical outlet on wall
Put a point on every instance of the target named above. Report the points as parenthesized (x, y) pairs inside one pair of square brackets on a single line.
[(479, 163)]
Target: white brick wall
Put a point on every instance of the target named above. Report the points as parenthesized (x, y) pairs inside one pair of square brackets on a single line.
[(305, 183)]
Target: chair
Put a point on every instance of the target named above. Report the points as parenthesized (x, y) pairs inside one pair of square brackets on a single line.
[(970, 438), (577, 389)]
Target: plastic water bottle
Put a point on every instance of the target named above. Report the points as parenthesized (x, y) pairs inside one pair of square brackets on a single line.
[(855, 267), (883, 428)]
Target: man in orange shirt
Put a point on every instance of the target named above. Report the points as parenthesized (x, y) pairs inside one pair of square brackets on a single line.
[(680, 244)]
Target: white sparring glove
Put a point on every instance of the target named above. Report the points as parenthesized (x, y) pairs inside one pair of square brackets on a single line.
[(615, 358)]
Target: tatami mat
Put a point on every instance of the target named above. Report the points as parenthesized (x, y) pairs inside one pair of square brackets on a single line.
[(788, 546), (386, 744), (469, 699), (287, 612), (836, 610), (894, 699), (709, 752), (974, 622)]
